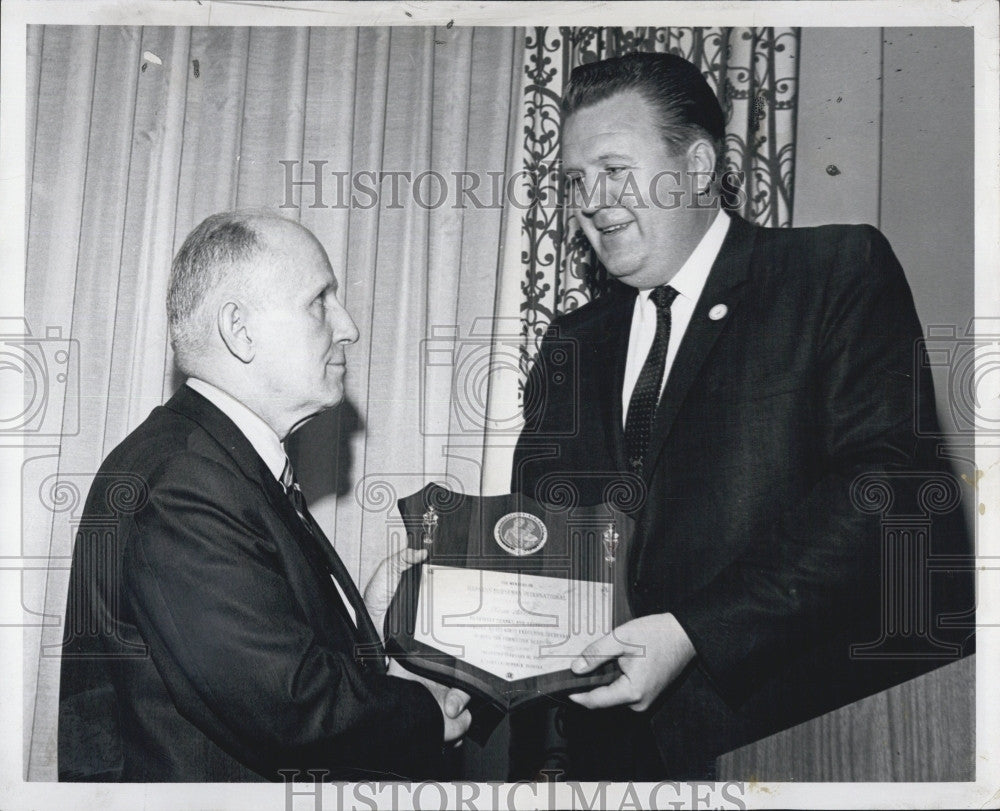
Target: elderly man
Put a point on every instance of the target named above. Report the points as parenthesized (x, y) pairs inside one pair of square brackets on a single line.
[(212, 632), (749, 384)]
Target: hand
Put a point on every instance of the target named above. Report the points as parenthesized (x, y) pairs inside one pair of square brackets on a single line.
[(651, 651), (452, 702), (383, 584)]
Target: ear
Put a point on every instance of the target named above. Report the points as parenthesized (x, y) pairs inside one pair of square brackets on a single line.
[(701, 164), (235, 332)]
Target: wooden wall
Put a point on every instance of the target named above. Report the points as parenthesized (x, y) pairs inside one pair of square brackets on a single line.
[(919, 731), (885, 137)]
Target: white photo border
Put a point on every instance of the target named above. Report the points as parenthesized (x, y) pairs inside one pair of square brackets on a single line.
[(982, 16)]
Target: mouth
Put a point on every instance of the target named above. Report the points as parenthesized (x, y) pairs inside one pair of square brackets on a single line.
[(615, 228)]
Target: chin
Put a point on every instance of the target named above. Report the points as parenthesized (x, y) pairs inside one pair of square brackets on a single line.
[(620, 267), (332, 386), (333, 399), (629, 276), (323, 399)]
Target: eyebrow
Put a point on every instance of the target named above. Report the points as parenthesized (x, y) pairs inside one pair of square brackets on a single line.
[(331, 286), (602, 158)]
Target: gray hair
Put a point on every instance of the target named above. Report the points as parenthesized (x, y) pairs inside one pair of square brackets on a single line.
[(216, 254)]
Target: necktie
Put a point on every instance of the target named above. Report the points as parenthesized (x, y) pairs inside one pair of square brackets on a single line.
[(642, 406), (294, 493), (329, 555)]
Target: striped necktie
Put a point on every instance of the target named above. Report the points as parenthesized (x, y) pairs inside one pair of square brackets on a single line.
[(294, 493)]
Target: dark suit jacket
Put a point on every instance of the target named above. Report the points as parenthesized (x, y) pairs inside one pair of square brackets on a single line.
[(755, 526), (205, 639)]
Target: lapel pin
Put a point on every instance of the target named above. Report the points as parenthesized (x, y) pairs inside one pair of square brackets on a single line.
[(718, 312)]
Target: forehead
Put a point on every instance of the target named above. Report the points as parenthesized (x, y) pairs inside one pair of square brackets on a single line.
[(624, 120), (298, 260)]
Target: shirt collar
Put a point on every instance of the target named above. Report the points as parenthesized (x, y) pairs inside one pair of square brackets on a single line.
[(260, 435), (690, 279)]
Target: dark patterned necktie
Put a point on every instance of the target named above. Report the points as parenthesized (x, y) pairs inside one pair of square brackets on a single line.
[(329, 555), (642, 406), (294, 493)]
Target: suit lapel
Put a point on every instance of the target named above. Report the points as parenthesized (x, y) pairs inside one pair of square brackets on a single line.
[(316, 549), (336, 567), (725, 285), (612, 353)]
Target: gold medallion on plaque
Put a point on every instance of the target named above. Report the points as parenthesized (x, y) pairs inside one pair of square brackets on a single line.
[(520, 533)]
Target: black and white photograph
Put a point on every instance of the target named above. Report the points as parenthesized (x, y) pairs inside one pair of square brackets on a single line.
[(500, 405)]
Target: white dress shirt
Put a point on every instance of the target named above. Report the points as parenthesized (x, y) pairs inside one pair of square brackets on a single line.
[(263, 439), (689, 281)]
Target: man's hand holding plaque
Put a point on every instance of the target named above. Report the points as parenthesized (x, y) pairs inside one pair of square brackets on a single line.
[(511, 592)]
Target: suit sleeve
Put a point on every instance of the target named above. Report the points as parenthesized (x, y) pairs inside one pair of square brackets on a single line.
[(530, 454), (210, 593), (814, 565)]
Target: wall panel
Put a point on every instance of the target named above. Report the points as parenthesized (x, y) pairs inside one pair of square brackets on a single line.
[(890, 112)]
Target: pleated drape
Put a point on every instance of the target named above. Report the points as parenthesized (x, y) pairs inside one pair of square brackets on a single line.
[(136, 134)]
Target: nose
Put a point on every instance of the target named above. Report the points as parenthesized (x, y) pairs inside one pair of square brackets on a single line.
[(592, 193), (345, 331), (589, 207)]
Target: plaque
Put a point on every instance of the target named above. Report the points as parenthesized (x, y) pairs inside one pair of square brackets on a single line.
[(511, 593)]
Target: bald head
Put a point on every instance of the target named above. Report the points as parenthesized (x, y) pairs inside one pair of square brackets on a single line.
[(228, 253), (254, 310)]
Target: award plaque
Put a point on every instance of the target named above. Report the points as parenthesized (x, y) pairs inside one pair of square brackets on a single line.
[(510, 594)]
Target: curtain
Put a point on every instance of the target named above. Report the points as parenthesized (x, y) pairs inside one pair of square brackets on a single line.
[(136, 134), (550, 267)]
